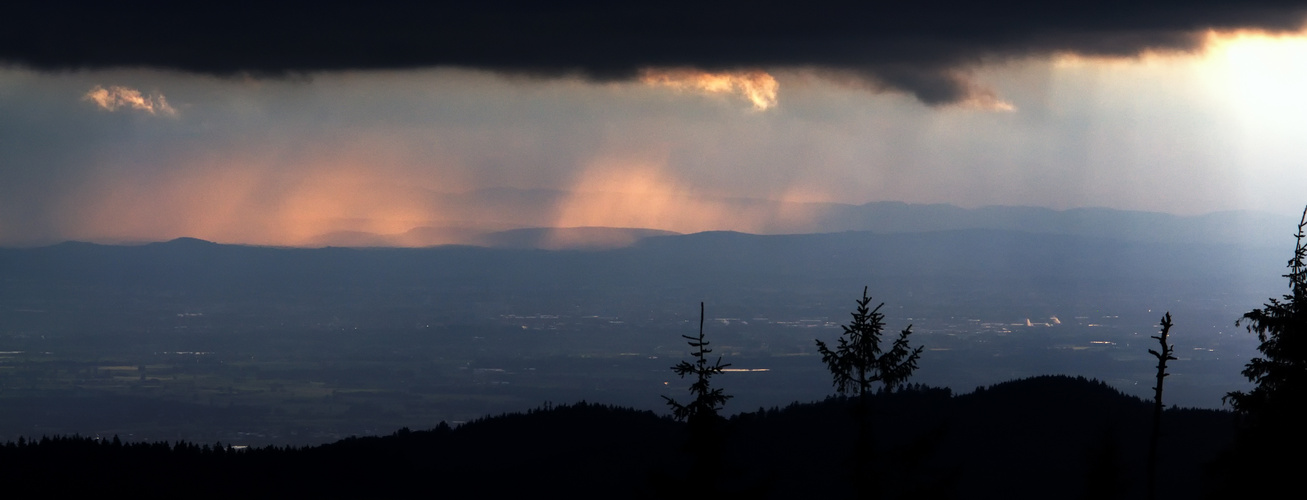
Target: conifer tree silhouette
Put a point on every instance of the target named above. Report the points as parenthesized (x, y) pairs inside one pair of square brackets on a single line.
[(858, 361), (1281, 326), (700, 414), (1162, 357), (707, 401), (1262, 462), (856, 364)]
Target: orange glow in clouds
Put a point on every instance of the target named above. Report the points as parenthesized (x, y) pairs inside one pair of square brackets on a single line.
[(758, 87), (116, 97), (643, 195), (348, 203), (240, 200)]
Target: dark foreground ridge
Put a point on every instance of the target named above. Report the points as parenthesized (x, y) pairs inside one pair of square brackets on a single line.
[(1042, 437)]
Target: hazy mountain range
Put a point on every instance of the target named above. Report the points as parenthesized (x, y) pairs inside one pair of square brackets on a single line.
[(524, 317), (898, 249), (513, 218)]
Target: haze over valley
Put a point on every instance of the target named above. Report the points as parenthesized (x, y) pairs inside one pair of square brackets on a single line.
[(310, 345)]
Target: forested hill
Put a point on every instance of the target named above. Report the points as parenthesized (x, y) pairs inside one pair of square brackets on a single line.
[(1043, 437)]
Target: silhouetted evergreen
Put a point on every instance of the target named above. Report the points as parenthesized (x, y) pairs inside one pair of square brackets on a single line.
[(856, 364), (858, 361), (1281, 326), (704, 425), (707, 400), (1275, 410)]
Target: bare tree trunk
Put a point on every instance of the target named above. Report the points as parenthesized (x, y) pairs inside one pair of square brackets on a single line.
[(1162, 358)]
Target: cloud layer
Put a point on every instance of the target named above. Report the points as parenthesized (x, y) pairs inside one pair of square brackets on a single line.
[(117, 97), (924, 48), (289, 161)]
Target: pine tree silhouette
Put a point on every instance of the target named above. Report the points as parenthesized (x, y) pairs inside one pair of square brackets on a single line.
[(1281, 326), (858, 362), (707, 401), (700, 414), (1262, 463)]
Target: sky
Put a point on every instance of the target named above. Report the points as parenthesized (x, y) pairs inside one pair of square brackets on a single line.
[(277, 125)]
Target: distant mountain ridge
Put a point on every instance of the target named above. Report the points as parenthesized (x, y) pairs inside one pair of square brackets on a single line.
[(1242, 227), (542, 238), (494, 217), (518, 212), (957, 260), (557, 219)]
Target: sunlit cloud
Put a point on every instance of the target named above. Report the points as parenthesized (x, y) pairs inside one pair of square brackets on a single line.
[(636, 194), (238, 205), (1258, 68), (758, 87), (987, 101), (311, 202), (399, 158), (1215, 44), (976, 96), (116, 97)]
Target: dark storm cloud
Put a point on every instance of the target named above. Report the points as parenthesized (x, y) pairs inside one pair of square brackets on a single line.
[(919, 47)]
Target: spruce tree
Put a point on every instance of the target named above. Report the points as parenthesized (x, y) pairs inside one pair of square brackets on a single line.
[(707, 401), (1262, 464), (704, 439), (1280, 374), (858, 362)]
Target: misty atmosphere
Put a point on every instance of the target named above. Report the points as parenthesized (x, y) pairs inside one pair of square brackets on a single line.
[(490, 246), (320, 344)]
